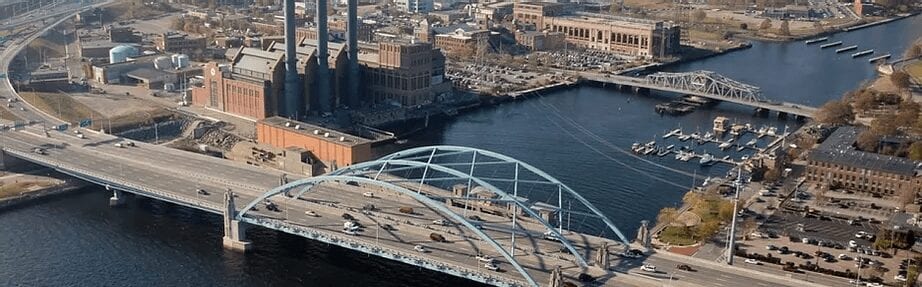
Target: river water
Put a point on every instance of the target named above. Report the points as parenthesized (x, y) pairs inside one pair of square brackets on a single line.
[(576, 135)]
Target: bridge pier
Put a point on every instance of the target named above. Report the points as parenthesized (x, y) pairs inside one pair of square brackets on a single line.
[(762, 112), (234, 230), (782, 115), (641, 91), (117, 199)]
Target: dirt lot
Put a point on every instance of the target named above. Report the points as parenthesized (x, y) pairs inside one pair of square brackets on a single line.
[(104, 110)]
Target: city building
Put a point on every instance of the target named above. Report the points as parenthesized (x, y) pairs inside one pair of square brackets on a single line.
[(487, 15), (123, 35), (837, 164), (541, 40), (621, 35), (179, 43), (461, 41), (403, 73), (414, 6), (335, 149), (248, 87)]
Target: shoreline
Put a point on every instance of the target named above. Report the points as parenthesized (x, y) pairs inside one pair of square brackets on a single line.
[(48, 192)]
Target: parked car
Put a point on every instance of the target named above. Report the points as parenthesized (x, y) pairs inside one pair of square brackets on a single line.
[(437, 237), (420, 248), (752, 261), (311, 213), (684, 267)]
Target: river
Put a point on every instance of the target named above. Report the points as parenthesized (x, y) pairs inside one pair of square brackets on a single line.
[(575, 135)]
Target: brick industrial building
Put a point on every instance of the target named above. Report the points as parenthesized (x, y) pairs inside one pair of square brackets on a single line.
[(179, 43), (402, 73), (627, 36), (836, 163), (336, 149)]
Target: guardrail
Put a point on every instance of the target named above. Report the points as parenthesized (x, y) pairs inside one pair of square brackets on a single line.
[(417, 259), (102, 179)]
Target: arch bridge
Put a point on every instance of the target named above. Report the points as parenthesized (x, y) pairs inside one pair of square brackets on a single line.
[(440, 207)]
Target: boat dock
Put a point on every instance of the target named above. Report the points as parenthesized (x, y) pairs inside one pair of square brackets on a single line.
[(875, 59), (863, 53), (808, 42), (849, 48), (833, 44)]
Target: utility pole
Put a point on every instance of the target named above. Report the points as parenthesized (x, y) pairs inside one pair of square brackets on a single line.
[(736, 199)]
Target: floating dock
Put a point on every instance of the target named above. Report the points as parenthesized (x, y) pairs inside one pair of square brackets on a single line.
[(863, 53), (808, 42), (833, 44), (849, 48), (872, 60)]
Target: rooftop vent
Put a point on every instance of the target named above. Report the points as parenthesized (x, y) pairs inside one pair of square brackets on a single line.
[(326, 135), (342, 139), (316, 132), (297, 127), (287, 124)]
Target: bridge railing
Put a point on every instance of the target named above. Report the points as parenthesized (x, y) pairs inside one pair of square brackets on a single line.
[(354, 243), (103, 179)]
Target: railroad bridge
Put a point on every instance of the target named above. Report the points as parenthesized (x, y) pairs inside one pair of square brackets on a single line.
[(704, 84)]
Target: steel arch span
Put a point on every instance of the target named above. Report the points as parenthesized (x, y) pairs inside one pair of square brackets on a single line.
[(306, 184), (707, 82), (456, 182)]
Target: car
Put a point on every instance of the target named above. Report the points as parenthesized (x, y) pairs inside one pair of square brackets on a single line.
[(783, 250), (648, 268), (368, 194), (874, 284), (81, 136), (843, 257), (350, 232), (474, 217), (347, 216), (201, 191), (129, 143), (583, 277), (770, 247), (387, 227), (684, 267), (900, 277), (852, 244), (491, 267), (485, 258), (39, 150), (441, 222), (630, 254), (549, 235), (273, 207), (752, 261), (420, 248), (861, 234), (311, 213)]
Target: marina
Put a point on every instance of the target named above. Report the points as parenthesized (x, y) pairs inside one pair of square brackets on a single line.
[(849, 48), (833, 44), (726, 140)]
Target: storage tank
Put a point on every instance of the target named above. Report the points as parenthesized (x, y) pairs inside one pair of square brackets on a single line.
[(180, 61), (121, 53), (163, 63)]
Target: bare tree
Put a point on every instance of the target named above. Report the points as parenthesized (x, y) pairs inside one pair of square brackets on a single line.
[(785, 28), (900, 79), (835, 112), (766, 24)]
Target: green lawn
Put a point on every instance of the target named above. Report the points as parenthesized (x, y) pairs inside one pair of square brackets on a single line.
[(676, 235)]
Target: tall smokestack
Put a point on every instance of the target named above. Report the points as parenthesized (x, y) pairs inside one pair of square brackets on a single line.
[(353, 43), (292, 106), (323, 68)]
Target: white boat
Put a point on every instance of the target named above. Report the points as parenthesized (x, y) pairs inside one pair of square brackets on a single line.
[(724, 145), (708, 135), (706, 159), (752, 142), (730, 140), (635, 147), (648, 150), (679, 155), (772, 131), (669, 147), (684, 137)]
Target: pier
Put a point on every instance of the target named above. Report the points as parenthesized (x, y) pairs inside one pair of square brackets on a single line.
[(862, 53), (875, 59), (814, 41), (846, 49), (833, 44)]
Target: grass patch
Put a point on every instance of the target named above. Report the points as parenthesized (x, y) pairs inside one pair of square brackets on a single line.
[(677, 235), (61, 106), (14, 189), (915, 70)]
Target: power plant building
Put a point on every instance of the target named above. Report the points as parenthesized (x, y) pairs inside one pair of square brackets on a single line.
[(250, 87)]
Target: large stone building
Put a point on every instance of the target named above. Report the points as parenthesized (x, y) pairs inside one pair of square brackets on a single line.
[(180, 43), (621, 35), (249, 87), (460, 41), (837, 164), (403, 73), (414, 6)]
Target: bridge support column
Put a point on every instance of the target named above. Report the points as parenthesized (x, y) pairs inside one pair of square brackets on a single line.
[(761, 112), (782, 115), (117, 199), (234, 230)]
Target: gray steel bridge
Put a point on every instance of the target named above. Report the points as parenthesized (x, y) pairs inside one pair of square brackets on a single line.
[(705, 84)]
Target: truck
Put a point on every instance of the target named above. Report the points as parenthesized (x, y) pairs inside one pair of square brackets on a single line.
[(407, 210)]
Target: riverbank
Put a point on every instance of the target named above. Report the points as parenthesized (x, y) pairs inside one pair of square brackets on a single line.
[(10, 200)]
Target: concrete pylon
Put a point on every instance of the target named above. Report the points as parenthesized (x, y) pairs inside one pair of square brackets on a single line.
[(234, 230), (556, 278), (602, 259), (643, 234), (117, 199), (291, 105)]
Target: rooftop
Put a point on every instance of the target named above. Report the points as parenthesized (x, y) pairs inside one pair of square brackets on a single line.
[(839, 149), (319, 132)]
